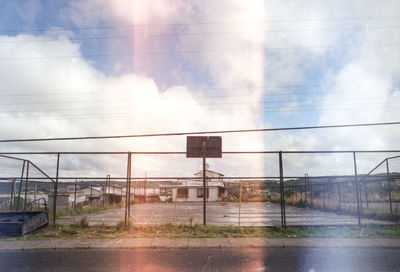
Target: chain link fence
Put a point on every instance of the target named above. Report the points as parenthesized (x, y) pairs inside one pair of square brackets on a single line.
[(293, 196)]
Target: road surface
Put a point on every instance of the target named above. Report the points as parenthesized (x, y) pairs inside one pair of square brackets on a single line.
[(222, 214), (271, 259)]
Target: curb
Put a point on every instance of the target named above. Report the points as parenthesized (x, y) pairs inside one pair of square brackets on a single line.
[(196, 243)]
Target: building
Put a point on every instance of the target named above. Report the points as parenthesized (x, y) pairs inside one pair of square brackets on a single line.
[(63, 202), (165, 192), (143, 195), (90, 195), (192, 190), (210, 174), (114, 194)]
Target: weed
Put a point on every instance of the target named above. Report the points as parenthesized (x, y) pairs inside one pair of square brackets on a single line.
[(69, 230), (185, 230), (84, 222)]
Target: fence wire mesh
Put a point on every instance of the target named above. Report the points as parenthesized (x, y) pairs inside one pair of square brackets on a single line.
[(359, 188)]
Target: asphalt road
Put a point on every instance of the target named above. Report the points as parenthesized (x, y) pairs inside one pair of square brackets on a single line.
[(271, 259), (221, 213)]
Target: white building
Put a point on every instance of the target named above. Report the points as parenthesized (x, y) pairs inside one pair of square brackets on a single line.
[(210, 174), (192, 190), (91, 191)]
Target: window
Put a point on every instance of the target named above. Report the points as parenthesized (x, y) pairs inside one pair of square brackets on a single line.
[(183, 193), (200, 192), (165, 192)]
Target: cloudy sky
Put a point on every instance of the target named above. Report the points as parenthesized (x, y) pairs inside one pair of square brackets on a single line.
[(112, 67)]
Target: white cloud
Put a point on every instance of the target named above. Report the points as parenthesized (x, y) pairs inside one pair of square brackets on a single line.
[(149, 12), (58, 98), (143, 106)]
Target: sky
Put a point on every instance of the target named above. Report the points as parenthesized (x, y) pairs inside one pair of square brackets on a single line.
[(115, 67)]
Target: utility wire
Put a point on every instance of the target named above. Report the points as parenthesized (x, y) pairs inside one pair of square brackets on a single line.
[(168, 115), (199, 33), (195, 133), (274, 87), (193, 24), (267, 94), (172, 117), (178, 100), (157, 53)]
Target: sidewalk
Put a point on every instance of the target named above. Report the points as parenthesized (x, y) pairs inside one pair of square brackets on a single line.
[(165, 243)]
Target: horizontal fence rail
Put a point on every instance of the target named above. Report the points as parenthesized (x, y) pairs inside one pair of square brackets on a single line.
[(352, 199)]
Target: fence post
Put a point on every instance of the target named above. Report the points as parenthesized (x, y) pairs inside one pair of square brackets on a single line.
[(144, 187), (20, 185), (130, 186), (366, 194), (240, 201), (26, 184), (282, 191), (204, 148), (128, 198), (340, 196), (35, 192), (328, 187), (12, 195), (305, 189), (176, 200), (56, 190), (389, 187), (301, 194), (91, 196), (74, 197), (311, 195), (109, 187), (307, 184), (357, 188), (105, 194)]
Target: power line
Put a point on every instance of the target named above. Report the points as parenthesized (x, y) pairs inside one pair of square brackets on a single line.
[(195, 133), (182, 52), (193, 24), (179, 100), (201, 33), (166, 115), (172, 115), (293, 93), (272, 87)]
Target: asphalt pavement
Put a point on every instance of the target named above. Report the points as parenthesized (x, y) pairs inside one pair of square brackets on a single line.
[(194, 243), (204, 259), (220, 214)]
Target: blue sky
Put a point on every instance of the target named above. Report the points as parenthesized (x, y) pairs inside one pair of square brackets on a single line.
[(188, 65), (18, 15)]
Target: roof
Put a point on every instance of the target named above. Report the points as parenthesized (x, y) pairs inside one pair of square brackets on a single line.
[(210, 171), (149, 191), (100, 189), (114, 190), (195, 183)]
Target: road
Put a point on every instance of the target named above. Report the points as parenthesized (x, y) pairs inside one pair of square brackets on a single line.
[(221, 213), (271, 259)]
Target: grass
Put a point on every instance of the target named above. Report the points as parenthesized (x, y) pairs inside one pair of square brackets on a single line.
[(80, 211), (80, 231), (331, 205)]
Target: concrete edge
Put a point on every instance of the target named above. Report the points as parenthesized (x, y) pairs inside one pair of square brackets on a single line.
[(193, 243)]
